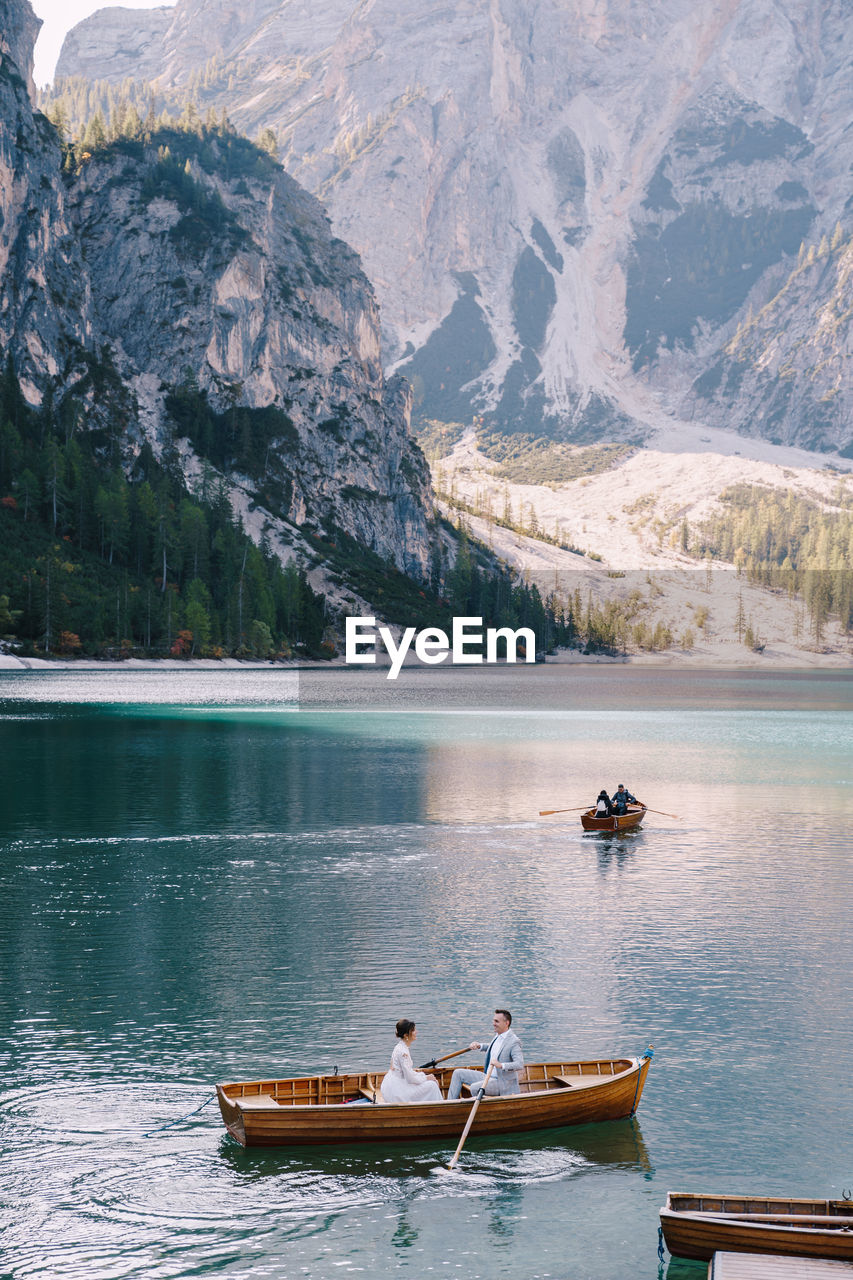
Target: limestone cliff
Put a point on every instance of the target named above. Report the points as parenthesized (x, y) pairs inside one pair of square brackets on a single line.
[(18, 34), (232, 292), (567, 206), (45, 303), (791, 359), (180, 283)]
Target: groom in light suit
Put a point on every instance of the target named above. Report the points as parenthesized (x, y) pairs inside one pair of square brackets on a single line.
[(504, 1050)]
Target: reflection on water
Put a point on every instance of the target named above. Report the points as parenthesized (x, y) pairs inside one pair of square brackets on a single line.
[(684, 1269), (529, 1157), (263, 888)]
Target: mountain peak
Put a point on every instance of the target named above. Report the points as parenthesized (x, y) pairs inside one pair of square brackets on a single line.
[(622, 185)]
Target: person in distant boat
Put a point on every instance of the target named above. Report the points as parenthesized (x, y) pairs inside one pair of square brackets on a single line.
[(622, 798), (603, 806), (403, 1083), (504, 1050)]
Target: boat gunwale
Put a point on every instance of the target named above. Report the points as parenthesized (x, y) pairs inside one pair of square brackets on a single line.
[(585, 1084), (675, 1196)]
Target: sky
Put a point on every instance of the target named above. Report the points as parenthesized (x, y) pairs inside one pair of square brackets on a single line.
[(58, 17)]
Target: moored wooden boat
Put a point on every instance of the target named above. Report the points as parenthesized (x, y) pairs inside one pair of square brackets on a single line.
[(346, 1108), (616, 822), (698, 1226)]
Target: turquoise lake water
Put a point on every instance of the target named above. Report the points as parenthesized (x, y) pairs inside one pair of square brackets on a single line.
[(246, 873)]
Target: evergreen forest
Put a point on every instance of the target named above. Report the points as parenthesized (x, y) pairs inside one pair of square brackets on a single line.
[(787, 542), (99, 558), (105, 557)]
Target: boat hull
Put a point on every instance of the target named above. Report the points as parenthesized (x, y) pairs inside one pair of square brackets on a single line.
[(317, 1110), (700, 1226), (615, 822)]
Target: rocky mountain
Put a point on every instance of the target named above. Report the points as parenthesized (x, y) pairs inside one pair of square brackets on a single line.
[(180, 285), (575, 212), (40, 257), (791, 360)]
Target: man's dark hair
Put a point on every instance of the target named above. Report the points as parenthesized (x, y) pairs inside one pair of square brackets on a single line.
[(506, 1014)]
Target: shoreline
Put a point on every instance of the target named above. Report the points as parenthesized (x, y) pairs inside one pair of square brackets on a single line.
[(722, 657)]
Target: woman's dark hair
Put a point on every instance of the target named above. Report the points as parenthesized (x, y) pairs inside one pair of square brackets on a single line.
[(403, 1027)]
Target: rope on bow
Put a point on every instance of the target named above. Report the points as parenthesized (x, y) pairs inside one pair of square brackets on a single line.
[(650, 1053)]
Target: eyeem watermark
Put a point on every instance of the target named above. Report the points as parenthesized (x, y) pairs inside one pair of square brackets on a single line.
[(432, 645)]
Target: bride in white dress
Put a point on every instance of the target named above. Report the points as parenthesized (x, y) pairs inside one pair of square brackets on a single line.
[(403, 1083)]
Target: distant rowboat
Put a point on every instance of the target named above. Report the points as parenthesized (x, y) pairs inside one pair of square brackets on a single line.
[(615, 822), (310, 1110), (700, 1226)]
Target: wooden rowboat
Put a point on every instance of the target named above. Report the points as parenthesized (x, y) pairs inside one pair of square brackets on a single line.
[(310, 1110), (700, 1226), (616, 822)]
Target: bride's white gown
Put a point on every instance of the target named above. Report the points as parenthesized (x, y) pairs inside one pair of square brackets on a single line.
[(404, 1084)]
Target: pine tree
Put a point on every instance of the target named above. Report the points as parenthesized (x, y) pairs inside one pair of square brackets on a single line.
[(53, 483), (8, 618), (267, 141), (197, 614), (260, 641), (95, 135), (28, 488), (684, 535)]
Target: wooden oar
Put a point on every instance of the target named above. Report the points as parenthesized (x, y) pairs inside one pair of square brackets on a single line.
[(543, 813), (470, 1119), (433, 1062)]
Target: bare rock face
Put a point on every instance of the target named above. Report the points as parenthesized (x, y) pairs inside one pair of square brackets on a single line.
[(45, 306), (791, 361), (135, 38), (18, 31), (183, 283), (566, 206), (234, 292)]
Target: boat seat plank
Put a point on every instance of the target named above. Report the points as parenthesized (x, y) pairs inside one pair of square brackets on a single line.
[(250, 1100), (372, 1095)]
